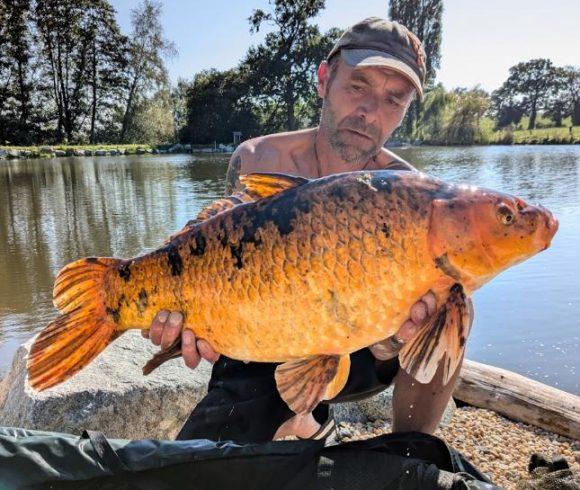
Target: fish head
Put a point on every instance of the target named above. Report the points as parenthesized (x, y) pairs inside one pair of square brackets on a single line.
[(478, 233)]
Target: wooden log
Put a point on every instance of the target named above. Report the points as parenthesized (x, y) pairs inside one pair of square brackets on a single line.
[(519, 398)]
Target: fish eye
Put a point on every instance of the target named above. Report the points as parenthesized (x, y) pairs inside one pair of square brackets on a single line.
[(505, 215)]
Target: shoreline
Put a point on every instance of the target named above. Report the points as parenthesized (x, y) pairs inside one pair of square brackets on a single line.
[(59, 151), (495, 444)]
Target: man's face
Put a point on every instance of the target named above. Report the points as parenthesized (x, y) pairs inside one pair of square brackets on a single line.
[(361, 108)]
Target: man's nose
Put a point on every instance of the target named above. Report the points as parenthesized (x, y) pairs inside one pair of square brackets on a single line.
[(368, 108)]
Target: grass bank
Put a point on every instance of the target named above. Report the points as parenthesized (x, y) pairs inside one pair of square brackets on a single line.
[(542, 136), (49, 151)]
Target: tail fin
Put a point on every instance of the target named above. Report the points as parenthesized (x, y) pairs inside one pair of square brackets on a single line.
[(84, 329)]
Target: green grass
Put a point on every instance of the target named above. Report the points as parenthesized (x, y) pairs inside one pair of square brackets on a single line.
[(542, 136), (35, 151), (78, 147)]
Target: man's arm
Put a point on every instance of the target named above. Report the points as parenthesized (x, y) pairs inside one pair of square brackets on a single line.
[(242, 161)]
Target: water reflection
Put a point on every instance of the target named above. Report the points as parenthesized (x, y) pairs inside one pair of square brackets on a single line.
[(54, 211)]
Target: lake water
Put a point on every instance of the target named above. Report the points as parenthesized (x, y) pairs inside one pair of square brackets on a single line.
[(54, 211)]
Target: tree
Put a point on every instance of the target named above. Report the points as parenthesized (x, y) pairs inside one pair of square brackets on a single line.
[(81, 52), (422, 18), (107, 63), (528, 86), (218, 104), (433, 115), (282, 70), (505, 107), (152, 120), (147, 50), (468, 107), (16, 89), (179, 106), (565, 99)]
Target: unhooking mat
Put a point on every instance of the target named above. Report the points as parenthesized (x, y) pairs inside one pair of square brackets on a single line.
[(35, 459)]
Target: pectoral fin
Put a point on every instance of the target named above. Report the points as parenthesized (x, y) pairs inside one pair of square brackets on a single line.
[(304, 383), (442, 339)]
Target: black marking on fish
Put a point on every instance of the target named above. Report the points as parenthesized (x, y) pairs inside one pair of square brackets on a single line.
[(199, 248), (113, 312), (174, 260), (442, 262), (386, 230), (92, 260), (237, 253), (125, 271), (143, 301)]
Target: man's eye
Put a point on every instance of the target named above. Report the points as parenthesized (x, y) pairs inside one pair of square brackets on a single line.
[(357, 88), (393, 102)]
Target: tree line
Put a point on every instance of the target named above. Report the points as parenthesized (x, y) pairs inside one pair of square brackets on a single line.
[(274, 86), (68, 74)]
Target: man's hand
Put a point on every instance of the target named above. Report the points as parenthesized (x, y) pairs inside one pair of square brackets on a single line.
[(421, 311), (166, 328)]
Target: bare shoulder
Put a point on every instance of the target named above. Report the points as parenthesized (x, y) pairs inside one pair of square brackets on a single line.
[(388, 160), (270, 153)]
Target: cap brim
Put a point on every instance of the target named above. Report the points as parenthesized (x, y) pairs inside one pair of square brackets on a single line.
[(371, 57)]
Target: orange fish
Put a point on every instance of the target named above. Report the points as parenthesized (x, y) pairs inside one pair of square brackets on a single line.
[(303, 272)]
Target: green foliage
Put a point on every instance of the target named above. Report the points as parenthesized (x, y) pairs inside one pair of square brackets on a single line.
[(152, 120), (146, 53), (528, 87), (423, 18), (454, 118), (16, 89), (218, 104), (282, 70)]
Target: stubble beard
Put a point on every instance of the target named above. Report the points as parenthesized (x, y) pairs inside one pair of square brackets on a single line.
[(349, 153)]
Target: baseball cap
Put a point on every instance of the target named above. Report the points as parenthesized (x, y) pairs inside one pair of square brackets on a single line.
[(380, 42)]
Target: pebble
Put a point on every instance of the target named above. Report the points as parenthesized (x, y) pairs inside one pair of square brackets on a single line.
[(497, 446)]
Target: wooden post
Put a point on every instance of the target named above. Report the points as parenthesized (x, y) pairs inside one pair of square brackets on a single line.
[(519, 398)]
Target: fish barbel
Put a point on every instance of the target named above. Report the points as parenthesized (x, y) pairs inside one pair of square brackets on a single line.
[(303, 272)]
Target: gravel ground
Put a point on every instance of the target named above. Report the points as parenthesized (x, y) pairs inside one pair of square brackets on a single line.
[(497, 446)]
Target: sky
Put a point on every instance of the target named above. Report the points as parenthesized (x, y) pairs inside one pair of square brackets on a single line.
[(482, 39)]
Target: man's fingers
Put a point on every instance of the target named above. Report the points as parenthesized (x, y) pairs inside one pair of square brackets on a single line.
[(172, 329), (407, 331), (156, 330), (189, 349), (419, 312), (206, 351), (431, 302), (145, 333)]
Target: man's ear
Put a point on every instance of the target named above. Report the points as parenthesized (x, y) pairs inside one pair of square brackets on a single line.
[(323, 74)]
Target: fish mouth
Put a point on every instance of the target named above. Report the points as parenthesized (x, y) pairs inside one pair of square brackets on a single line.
[(552, 226), (547, 225)]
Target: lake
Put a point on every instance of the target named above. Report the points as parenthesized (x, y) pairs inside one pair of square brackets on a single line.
[(56, 210)]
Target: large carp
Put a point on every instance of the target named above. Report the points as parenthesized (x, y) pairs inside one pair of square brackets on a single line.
[(304, 272)]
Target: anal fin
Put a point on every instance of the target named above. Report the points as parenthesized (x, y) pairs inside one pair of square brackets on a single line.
[(304, 383), (441, 339), (173, 351)]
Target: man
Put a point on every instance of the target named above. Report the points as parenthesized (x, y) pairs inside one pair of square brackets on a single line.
[(367, 83)]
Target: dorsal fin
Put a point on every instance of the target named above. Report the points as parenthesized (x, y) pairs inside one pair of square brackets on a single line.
[(257, 186), (223, 205), (261, 185)]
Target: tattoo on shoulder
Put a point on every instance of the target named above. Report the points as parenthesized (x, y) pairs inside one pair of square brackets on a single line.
[(233, 175)]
